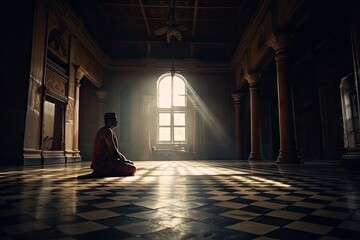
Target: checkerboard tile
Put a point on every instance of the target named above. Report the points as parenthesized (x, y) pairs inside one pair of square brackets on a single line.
[(182, 200)]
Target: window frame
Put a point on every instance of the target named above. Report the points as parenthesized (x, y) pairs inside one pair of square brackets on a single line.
[(171, 110)]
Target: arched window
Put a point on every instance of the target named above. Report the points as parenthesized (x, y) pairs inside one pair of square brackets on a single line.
[(171, 105)]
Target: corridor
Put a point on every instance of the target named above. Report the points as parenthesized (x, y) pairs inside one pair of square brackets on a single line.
[(182, 200)]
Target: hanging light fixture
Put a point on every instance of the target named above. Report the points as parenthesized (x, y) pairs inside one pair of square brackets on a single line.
[(172, 70), (172, 30)]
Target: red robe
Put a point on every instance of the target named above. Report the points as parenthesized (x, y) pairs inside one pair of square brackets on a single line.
[(104, 163)]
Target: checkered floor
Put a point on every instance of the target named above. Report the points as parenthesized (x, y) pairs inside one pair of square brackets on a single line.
[(182, 200)]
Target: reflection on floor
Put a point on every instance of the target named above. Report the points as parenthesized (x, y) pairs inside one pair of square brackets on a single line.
[(182, 200)]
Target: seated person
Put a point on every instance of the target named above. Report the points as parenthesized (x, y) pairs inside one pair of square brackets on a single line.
[(107, 159)]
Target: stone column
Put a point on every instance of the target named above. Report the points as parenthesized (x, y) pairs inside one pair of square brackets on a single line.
[(80, 73), (195, 148), (256, 145), (195, 132), (147, 138), (288, 152), (100, 96), (237, 97)]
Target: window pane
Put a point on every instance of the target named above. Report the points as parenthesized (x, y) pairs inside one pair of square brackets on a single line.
[(179, 101), (165, 93), (164, 134), (179, 119), (164, 119), (164, 101), (165, 85), (179, 86), (179, 92), (179, 134)]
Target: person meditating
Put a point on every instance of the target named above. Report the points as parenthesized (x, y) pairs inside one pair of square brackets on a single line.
[(107, 159)]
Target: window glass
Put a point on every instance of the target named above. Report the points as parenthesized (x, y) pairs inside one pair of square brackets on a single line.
[(164, 93), (179, 119), (179, 101), (179, 134), (164, 119), (164, 101), (164, 134), (179, 86), (179, 92)]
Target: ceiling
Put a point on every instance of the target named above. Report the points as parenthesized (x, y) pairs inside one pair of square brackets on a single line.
[(124, 29)]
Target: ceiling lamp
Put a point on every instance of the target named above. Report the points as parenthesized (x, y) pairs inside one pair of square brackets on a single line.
[(172, 30)]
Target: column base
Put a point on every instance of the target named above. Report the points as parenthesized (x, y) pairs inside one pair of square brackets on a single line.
[(53, 157), (255, 156), (288, 157), (72, 159), (350, 159), (194, 156), (72, 156), (32, 157)]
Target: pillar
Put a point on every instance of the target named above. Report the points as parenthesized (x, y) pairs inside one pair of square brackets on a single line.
[(237, 97), (146, 124), (195, 147), (80, 72), (100, 97), (256, 145), (195, 132), (288, 152)]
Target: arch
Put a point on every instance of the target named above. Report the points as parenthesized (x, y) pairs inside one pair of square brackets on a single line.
[(171, 109)]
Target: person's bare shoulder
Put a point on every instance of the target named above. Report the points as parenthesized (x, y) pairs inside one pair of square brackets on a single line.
[(104, 133)]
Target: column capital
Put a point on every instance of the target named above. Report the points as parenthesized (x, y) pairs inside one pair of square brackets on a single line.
[(237, 97), (252, 77), (101, 95), (80, 73), (280, 40), (147, 99)]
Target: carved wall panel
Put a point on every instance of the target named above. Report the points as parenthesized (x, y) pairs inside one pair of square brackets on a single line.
[(70, 111), (58, 39), (71, 87), (36, 95), (55, 86)]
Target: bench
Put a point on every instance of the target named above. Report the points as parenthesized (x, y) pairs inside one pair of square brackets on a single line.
[(170, 151)]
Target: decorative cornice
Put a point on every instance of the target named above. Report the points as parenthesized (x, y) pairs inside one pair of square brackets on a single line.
[(53, 93)]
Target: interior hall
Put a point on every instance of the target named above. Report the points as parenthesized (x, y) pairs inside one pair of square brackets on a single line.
[(241, 117)]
